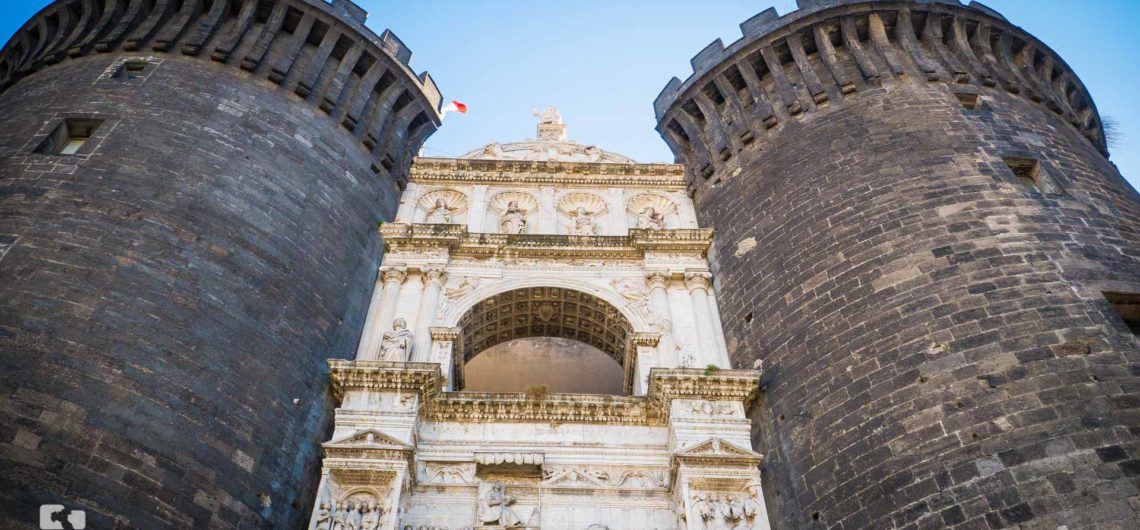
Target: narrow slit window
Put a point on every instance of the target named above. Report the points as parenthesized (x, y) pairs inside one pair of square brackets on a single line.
[(1127, 305), (68, 137)]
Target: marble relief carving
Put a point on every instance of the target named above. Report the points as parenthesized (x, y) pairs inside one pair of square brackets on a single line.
[(544, 239)]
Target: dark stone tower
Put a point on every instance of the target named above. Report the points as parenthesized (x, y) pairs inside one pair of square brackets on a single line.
[(189, 192), (919, 233)]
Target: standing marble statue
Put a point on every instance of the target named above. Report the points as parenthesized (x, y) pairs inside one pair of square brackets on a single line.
[(583, 223), (495, 505), (513, 221), (396, 345), (440, 214), (649, 219)]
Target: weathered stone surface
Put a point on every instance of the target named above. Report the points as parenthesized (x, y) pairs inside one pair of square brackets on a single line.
[(169, 295), (937, 349)]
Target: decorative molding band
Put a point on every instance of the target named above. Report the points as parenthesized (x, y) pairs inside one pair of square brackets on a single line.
[(559, 408), (786, 67), (541, 173), (320, 51), (459, 241)]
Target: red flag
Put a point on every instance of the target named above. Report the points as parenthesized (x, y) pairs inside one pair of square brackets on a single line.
[(453, 106)]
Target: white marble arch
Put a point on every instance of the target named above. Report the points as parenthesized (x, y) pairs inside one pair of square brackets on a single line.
[(638, 320)]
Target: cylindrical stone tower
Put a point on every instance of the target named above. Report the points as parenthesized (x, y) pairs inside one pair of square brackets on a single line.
[(189, 193), (921, 237)]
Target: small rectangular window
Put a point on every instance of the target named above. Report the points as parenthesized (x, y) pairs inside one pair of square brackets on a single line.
[(68, 137), (1031, 176), (968, 101), (1127, 305), (131, 70)]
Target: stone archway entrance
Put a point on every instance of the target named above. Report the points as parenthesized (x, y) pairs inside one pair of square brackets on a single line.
[(561, 314)]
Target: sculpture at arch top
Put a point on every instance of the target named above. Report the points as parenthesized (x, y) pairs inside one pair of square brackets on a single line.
[(513, 220), (440, 214)]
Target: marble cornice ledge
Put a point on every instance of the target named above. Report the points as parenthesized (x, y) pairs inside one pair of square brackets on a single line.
[(456, 238), (535, 173), (666, 384), (424, 378)]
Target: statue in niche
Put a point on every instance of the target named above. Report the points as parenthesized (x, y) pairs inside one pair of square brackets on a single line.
[(513, 220), (440, 214), (396, 345), (495, 505), (719, 520), (324, 517), (754, 508), (649, 219), (584, 224)]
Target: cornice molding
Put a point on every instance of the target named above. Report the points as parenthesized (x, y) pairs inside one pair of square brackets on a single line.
[(542, 173), (460, 242)]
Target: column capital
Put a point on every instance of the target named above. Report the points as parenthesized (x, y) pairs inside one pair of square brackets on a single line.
[(393, 273), (698, 281), (434, 274), (444, 333), (657, 279)]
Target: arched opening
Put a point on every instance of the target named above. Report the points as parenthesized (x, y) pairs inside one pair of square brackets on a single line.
[(546, 339)]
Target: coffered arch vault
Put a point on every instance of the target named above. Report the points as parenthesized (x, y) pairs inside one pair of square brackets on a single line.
[(545, 312)]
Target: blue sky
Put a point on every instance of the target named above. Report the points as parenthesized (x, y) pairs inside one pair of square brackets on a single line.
[(602, 62)]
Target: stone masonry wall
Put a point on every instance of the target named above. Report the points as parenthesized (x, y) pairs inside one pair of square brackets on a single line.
[(171, 294), (938, 350)]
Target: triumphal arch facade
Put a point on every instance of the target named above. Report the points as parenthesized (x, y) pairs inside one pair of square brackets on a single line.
[(542, 350)]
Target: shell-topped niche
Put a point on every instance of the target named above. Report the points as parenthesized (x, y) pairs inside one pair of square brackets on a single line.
[(454, 201), (526, 202), (662, 205), (591, 203)]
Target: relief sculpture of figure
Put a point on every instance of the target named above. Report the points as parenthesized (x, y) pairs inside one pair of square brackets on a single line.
[(513, 221), (396, 345), (648, 218), (352, 520), (495, 505), (338, 517), (703, 511), (323, 521), (440, 214), (734, 513), (584, 224), (370, 520), (753, 508)]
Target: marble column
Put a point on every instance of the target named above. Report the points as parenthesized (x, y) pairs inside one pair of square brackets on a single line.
[(698, 284), (658, 283), (385, 295), (477, 212), (442, 348), (547, 217), (615, 221), (433, 278)]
